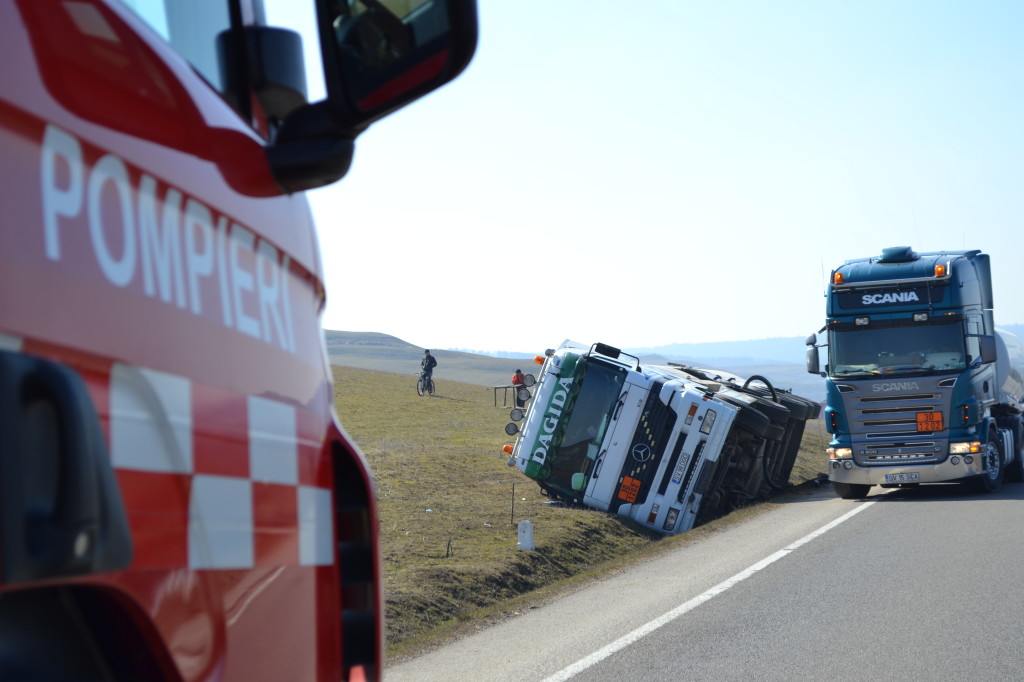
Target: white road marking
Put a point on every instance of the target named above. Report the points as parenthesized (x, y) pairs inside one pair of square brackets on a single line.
[(646, 629)]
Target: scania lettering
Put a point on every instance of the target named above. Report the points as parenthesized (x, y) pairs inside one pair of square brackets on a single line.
[(949, 405), (667, 447), (177, 499), (898, 297)]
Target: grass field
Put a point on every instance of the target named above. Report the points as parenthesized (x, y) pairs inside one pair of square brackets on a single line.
[(449, 509)]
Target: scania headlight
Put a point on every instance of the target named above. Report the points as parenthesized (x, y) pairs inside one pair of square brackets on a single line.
[(840, 453), (970, 447)]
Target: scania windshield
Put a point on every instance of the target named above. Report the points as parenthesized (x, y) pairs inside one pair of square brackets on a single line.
[(597, 389), (897, 349)]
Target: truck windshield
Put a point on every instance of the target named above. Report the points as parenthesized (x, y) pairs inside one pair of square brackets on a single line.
[(918, 349), (598, 387)]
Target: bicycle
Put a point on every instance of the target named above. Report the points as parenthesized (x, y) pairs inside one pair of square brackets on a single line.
[(425, 384)]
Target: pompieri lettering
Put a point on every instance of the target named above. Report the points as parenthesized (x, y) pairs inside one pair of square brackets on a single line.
[(152, 235)]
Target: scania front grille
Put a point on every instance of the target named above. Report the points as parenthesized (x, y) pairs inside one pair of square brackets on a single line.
[(896, 410), (893, 398), (924, 452)]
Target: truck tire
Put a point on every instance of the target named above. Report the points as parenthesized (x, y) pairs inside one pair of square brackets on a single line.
[(851, 491), (1015, 470), (748, 418), (992, 479), (767, 400)]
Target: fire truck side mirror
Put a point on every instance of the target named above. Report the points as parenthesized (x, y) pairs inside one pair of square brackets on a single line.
[(378, 56)]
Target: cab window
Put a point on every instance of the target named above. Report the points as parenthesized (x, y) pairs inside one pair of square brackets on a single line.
[(191, 27)]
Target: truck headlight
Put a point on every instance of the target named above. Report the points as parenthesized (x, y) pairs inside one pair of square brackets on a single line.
[(966, 448), (840, 453), (670, 518)]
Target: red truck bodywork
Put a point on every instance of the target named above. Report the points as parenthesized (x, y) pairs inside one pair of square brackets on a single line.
[(145, 247)]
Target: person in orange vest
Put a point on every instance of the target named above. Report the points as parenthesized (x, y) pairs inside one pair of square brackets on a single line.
[(518, 381)]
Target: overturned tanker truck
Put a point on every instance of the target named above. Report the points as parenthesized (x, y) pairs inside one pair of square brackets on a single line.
[(669, 447)]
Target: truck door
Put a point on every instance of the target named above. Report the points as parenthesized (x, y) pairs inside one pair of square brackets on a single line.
[(605, 480)]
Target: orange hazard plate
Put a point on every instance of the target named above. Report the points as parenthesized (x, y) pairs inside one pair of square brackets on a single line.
[(629, 490), (929, 421)]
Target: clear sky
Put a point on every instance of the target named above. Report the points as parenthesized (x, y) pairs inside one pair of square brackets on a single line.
[(678, 171)]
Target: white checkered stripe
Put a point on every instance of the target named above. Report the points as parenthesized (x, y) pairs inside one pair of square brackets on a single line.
[(151, 431)]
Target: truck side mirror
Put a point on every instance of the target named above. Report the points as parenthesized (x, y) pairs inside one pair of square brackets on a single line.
[(988, 348), (378, 56), (813, 362)]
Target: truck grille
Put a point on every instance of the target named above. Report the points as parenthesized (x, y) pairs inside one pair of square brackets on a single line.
[(648, 446), (887, 454), (886, 417), (889, 426)]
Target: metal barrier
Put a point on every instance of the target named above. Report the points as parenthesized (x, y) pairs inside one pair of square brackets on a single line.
[(504, 398)]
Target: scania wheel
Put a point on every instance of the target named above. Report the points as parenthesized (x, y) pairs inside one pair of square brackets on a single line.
[(851, 491), (992, 479)]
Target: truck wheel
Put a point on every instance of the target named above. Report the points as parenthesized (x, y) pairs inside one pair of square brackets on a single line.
[(1015, 471), (992, 479), (748, 418), (851, 491), (776, 412)]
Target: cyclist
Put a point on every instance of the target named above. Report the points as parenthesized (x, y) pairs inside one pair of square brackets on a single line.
[(427, 365)]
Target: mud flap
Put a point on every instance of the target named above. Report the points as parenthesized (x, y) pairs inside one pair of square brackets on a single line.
[(61, 512)]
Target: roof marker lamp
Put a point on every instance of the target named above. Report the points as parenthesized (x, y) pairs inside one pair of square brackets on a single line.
[(862, 321), (940, 270), (837, 278)]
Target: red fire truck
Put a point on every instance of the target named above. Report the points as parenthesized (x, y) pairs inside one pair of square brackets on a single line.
[(177, 499)]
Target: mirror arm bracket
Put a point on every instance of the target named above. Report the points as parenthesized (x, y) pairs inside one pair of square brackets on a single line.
[(311, 149)]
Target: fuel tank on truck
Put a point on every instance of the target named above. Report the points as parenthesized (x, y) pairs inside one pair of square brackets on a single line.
[(1010, 367)]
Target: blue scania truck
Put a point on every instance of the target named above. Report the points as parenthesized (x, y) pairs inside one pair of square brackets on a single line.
[(921, 386)]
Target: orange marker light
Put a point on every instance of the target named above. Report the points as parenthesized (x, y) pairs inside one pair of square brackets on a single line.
[(838, 278), (539, 359), (940, 270), (507, 449)]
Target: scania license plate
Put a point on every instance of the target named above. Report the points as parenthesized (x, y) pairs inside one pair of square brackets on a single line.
[(902, 478)]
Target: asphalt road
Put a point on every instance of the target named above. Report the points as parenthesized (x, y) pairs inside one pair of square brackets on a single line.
[(916, 584)]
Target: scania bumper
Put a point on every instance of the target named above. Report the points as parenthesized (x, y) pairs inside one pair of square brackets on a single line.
[(952, 468)]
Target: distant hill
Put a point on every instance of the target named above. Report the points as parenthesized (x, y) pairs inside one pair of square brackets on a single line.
[(371, 350), (735, 353), (781, 360), (1015, 329)]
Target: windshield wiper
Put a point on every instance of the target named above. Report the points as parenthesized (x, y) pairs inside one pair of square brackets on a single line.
[(618, 408)]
